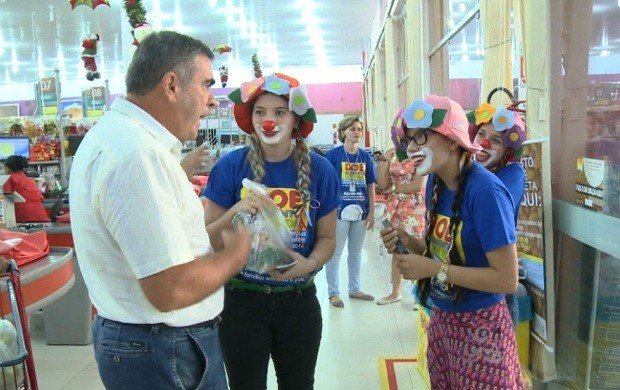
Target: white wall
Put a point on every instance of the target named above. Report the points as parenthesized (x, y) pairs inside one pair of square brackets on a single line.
[(323, 129)]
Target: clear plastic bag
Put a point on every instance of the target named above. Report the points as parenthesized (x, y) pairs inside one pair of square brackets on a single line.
[(12, 377), (270, 235)]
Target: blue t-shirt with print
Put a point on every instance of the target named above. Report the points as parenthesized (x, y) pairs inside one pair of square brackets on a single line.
[(487, 224), (356, 172), (513, 177), (224, 188)]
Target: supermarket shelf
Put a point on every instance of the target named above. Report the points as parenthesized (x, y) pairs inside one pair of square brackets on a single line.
[(47, 162)]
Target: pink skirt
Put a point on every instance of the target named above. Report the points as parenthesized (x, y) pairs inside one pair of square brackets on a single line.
[(473, 350)]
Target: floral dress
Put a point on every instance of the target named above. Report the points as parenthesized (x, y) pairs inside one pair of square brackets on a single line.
[(405, 210)]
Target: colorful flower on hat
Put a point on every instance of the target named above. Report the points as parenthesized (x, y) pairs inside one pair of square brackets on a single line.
[(514, 138), (419, 115), (247, 89), (298, 100), (484, 113), (503, 119), (276, 85)]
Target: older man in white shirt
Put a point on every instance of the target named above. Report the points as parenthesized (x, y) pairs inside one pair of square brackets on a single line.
[(139, 228)]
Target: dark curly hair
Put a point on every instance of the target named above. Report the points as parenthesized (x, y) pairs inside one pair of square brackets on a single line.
[(16, 163)]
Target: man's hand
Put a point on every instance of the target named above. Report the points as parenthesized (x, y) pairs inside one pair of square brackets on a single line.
[(237, 244), (195, 161)]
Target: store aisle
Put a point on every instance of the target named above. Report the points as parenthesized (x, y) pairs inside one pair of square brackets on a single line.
[(354, 339)]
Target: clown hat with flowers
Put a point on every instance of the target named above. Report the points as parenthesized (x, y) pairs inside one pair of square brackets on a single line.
[(505, 120), (443, 115), (278, 84)]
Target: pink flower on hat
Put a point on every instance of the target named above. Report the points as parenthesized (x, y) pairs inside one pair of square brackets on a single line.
[(514, 138), (247, 89), (298, 101), (276, 85), (484, 113), (503, 119), (419, 115)]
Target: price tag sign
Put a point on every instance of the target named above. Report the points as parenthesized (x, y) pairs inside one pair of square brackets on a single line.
[(48, 96), (93, 101)]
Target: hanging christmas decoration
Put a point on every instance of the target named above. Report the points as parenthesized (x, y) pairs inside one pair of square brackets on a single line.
[(257, 70), (223, 75), (137, 19), (89, 3), (221, 49), (89, 45)]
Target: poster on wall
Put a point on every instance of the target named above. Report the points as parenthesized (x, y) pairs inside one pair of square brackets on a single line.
[(530, 244)]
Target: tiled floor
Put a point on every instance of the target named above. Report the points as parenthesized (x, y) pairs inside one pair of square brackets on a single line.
[(354, 338)]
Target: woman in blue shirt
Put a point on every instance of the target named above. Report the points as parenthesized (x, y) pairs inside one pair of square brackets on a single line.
[(500, 133), (274, 314), (469, 256), (356, 170)]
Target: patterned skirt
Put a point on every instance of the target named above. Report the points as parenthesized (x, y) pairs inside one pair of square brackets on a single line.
[(473, 350)]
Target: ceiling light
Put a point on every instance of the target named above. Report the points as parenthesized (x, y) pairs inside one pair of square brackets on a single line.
[(462, 7), (212, 3)]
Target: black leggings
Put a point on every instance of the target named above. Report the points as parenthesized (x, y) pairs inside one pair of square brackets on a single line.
[(286, 326)]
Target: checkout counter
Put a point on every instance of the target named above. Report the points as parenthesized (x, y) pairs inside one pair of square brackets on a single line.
[(44, 281), (68, 319)]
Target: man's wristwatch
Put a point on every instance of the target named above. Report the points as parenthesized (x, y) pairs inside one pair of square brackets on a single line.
[(442, 275)]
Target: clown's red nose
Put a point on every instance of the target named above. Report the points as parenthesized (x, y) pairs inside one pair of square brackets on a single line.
[(485, 143), (269, 125)]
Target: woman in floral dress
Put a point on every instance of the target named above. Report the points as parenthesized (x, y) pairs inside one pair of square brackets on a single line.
[(405, 196)]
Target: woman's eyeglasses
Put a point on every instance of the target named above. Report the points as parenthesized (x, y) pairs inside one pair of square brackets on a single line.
[(419, 138)]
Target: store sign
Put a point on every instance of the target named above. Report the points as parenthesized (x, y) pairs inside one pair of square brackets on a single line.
[(530, 244), (48, 96), (212, 113), (93, 102)]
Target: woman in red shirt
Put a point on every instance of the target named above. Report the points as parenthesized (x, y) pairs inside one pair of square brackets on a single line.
[(32, 209)]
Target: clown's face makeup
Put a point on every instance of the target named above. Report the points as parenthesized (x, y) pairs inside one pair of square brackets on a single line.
[(422, 160), (492, 142), (421, 155), (272, 120)]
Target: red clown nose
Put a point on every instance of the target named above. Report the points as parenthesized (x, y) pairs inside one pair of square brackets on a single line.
[(269, 125), (485, 143)]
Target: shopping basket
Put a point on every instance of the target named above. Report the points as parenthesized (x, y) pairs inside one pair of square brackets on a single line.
[(17, 369)]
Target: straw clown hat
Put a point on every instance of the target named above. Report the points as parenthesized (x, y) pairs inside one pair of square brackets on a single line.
[(504, 120), (278, 84), (442, 115)]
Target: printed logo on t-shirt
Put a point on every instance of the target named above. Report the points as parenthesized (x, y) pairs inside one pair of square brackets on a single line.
[(353, 180), (288, 200), (440, 242)]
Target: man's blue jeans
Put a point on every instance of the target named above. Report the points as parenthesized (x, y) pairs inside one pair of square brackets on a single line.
[(158, 357)]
